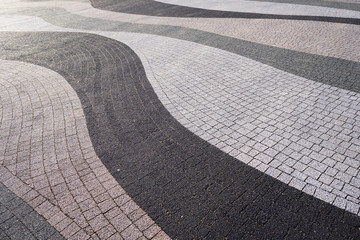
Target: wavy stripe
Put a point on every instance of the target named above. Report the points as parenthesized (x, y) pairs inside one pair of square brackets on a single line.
[(326, 39), (154, 8), (244, 108), (340, 4), (19, 219), (326, 156), (47, 148), (343, 74), (172, 174), (264, 7)]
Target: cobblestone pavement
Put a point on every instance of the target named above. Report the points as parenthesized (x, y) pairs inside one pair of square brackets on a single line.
[(228, 9), (342, 4), (264, 7), (48, 149), (124, 126), (333, 38)]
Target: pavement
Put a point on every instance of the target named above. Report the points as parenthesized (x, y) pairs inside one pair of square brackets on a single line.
[(176, 119)]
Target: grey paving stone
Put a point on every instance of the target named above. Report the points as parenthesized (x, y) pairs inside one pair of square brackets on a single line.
[(311, 172), (324, 195)]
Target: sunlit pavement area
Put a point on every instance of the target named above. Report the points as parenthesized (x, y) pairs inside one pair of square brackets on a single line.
[(179, 119)]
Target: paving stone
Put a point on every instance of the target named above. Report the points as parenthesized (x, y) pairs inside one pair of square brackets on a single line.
[(127, 115)]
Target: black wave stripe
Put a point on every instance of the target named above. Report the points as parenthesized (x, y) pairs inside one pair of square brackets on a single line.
[(153, 8), (190, 188)]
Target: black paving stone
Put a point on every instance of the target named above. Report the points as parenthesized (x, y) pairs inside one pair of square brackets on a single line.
[(180, 173)]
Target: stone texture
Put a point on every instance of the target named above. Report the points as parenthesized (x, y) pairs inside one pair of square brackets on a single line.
[(296, 130), (19, 221), (227, 8), (336, 40), (40, 104), (171, 177)]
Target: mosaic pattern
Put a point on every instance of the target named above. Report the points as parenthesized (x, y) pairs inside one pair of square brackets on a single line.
[(170, 136)]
